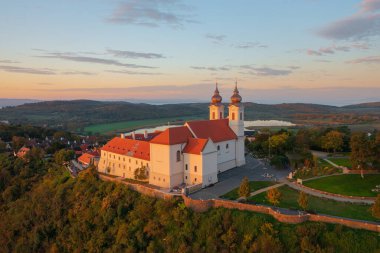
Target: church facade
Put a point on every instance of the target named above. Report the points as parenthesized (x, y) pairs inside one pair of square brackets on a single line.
[(192, 154)]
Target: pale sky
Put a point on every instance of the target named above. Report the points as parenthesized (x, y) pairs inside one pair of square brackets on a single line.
[(317, 51)]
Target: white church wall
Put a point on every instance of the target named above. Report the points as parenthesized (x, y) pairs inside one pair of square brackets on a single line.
[(226, 155), (192, 169)]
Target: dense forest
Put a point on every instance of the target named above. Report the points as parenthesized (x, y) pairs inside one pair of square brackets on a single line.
[(43, 209), (77, 114)]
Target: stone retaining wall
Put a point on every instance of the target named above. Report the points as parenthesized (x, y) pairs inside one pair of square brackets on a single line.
[(204, 205)]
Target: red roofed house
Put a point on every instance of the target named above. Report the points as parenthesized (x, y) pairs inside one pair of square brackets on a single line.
[(89, 158), (192, 154), (22, 152)]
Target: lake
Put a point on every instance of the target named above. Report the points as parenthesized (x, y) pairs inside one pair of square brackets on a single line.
[(253, 123)]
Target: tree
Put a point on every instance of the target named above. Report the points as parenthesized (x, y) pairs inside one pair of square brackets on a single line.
[(278, 142), (303, 200), (333, 140), (141, 173), (360, 150), (376, 207), (273, 196), (244, 189), (63, 156)]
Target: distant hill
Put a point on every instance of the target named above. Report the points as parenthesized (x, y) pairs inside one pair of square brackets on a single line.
[(77, 114), (4, 102)]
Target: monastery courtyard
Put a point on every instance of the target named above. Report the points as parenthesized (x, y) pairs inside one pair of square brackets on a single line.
[(254, 169)]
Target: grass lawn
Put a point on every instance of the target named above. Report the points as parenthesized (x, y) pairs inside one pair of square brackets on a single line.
[(289, 199), (254, 185), (341, 161), (350, 185), (132, 124)]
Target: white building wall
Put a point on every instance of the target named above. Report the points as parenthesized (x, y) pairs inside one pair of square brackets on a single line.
[(209, 164), (160, 165), (216, 112), (166, 171), (193, 170), (226, 157), (120, 165)]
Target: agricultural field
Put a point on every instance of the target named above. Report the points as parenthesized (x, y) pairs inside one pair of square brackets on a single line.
[(350, 185), (124, 126), (289, 199)]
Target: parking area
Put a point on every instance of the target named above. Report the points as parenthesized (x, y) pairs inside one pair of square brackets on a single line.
[(254, 169)]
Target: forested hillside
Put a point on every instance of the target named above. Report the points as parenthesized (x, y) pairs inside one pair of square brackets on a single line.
[(43, 209), (77, 114)]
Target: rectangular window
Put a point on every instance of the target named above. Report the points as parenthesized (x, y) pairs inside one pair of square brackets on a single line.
[(195, 179), (186, 167), (195, 168)]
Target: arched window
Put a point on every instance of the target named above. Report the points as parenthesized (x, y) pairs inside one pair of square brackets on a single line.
[(227, 146), (233, 116), (241, 116), (178, 156), (218, 147), (213, 115), (221, 115)]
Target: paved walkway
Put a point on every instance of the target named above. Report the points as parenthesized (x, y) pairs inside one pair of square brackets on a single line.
[(231, 179), (327, 196), (266, 189)]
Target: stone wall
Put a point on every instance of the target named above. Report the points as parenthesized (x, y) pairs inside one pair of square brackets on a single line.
[(204, 205)]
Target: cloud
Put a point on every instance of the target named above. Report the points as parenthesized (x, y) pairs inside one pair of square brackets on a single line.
[(44, 71), (134, 55), (78, 73), (333, 49), (79, 58), (265, 71), (247, 45), (216, 38), (224, 68), (151, 13), (362, 24), (8, 61), (370, 5), (368, 59), (127, 72), (45, 84)]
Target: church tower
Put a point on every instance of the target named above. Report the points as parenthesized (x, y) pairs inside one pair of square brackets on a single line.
[(236, 121), (216, 107)]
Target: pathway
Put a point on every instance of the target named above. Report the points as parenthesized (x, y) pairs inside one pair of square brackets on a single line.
[(327, 196)]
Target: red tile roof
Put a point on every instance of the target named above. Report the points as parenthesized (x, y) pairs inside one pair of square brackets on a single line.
[(195, 146), (216, 130), (141, 137), (22, 152), (172, 136), (86, 158), (129, 147)]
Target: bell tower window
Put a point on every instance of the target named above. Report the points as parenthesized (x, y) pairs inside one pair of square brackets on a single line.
[(233, 116)]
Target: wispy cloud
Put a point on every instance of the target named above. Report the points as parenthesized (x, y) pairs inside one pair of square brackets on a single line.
[(266, 71), (127, 72), (134, 55), (333, 49), (8, 61), (14, 69), (80, 58), (215, 38), (247, 45), (363, 24), (224, 68), (152, 13), (368, 59), (78, 73)]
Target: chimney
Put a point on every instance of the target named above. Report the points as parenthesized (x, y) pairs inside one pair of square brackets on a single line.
[(133, 136), (146, 134), (122, 136)]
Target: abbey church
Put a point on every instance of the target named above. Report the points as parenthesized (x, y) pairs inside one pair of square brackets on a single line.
[(192, 154)]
